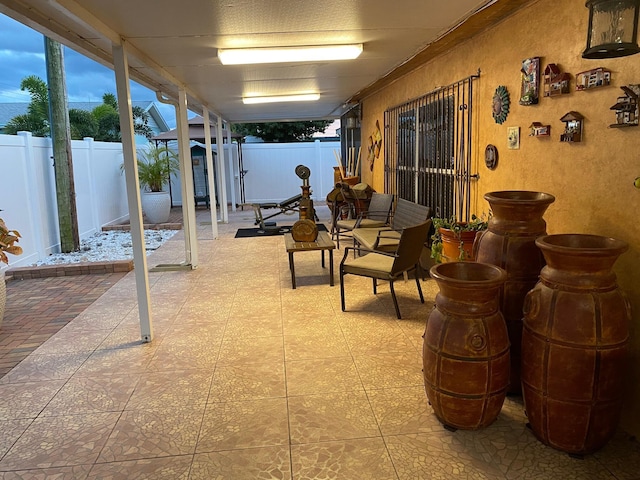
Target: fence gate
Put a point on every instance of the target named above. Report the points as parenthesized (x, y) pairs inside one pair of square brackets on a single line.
[(428, 149)]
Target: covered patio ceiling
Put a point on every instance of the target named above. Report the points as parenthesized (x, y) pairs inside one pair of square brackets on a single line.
[(173, 44)]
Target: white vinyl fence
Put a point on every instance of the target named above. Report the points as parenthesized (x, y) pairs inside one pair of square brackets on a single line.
[(270, 171), (28, 193), (271, 168)]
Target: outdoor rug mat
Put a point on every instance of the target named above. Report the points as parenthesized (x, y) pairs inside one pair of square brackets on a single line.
[(259, 232)]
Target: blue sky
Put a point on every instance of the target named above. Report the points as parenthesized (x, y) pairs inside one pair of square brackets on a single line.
[(22, 54)]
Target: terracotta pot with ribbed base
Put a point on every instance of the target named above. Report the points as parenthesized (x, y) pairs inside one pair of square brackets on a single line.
[(466, 346), (574, 343), (3, 296), (457, 246), (509, 243)]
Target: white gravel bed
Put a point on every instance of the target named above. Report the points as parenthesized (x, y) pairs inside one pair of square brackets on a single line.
[(108, 246)]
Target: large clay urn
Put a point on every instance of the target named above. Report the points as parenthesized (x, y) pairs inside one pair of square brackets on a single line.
[(509, 242), (3, 296), (574, 343), (466, 346)]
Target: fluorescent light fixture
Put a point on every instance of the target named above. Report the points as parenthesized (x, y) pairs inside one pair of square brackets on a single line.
[(242, 56), (308, 97)]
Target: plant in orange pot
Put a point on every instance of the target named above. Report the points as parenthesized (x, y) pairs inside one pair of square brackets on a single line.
[(8, 240), (453, 240)]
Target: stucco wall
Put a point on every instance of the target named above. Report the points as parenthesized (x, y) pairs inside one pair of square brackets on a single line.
[(592, 180)]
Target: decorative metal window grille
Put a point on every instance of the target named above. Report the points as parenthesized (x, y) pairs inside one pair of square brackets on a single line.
[(428, 149)]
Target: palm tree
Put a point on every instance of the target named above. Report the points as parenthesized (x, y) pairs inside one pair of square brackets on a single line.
[(102, 124)]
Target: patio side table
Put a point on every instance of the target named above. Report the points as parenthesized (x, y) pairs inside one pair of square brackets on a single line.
[(322, 243)]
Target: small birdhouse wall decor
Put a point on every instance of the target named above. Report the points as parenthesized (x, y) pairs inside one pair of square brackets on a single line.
[(572, 128), (627, 107), (555, 81), (537, 129), (598, 77)]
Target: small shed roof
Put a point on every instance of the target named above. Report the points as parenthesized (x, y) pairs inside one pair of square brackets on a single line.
[(196, 132)]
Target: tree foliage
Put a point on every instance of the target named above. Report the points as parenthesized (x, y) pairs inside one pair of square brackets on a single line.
[(155, 166), (36, 120), (282, 131), (102, 123), (108, 120), (83, 124)]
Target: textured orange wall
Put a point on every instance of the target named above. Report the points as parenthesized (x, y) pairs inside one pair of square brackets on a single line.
[(592, 180)]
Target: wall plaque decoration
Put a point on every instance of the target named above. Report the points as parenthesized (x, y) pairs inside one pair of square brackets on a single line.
[(375, 145), (530, 81), (555, 81), (627, 107), (513, 138), (491, 157), (500, 104)]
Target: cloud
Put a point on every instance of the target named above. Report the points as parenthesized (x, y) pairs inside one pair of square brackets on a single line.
[(22, 54)]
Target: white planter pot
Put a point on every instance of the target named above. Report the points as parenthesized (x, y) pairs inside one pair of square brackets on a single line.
[(156, 206), (3, 296)]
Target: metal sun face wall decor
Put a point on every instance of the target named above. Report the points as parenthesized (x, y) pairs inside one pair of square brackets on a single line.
[(500, 104)]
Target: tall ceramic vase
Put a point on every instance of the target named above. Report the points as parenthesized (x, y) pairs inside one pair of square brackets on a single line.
[(156, 206), (509, 242), (574, 343), (466, 346)]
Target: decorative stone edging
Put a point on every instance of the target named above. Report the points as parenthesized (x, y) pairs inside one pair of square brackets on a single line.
[(65, 270), (147, 226), (85, 268)]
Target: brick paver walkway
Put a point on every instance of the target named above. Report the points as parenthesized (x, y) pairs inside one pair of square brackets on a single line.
[(38, 308)]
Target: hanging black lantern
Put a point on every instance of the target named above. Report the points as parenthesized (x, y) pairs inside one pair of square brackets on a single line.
[(613, 28)]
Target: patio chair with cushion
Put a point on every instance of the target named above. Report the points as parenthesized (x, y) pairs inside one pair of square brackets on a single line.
[(388, 266), (375, 216), (386, 238)]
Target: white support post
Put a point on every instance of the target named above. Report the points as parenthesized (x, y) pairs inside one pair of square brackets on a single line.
[(232, 171), (210, 179), (317, 157), (223, 201), (186, 176), (95, 216), (121, 66)]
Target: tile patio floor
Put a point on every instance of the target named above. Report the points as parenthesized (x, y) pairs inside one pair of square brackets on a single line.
[(249, 379)]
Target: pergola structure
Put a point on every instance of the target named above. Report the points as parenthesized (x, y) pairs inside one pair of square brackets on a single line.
[(172, 48)]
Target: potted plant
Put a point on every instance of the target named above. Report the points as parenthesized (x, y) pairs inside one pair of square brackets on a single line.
[(453, 240), (8, 240), (155, 166)]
